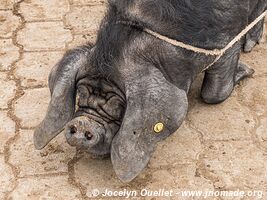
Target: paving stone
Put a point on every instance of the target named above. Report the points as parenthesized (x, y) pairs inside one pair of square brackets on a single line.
[(253, 95), (39, 36), (6, 178), (98, 172), (155, 184), (45, 188), (53, 159), (7, 129), (179, 179), (7, 90), (182, 147), (8, 23), (234, 165), (8, 53), (82, 40), (88, 22), (32, 115), (7, 4), (225, 121), (257, 59), (44, 10), (261, 133), (88, 2), (34, 68)]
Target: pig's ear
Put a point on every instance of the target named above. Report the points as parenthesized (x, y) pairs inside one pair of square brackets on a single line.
[(155, 109), (62, 83)]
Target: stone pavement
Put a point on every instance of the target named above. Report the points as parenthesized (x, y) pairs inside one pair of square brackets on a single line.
[(218, 148)]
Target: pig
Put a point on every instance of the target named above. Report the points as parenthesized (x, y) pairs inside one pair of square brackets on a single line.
[(128, 91)]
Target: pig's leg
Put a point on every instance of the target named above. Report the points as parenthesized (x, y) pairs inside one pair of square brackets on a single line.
[(220, 80), (253, 37)]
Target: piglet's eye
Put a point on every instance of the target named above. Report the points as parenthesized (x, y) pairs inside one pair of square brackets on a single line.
[(159, 127)]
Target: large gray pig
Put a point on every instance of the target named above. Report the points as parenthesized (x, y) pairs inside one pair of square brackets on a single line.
[(127, 92)]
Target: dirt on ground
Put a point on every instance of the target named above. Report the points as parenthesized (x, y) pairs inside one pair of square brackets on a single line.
[(219, 148)]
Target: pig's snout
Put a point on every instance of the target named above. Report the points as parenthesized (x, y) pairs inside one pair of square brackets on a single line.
[(84, 133)]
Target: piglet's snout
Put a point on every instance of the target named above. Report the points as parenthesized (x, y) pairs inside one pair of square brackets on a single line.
[(84, 133)]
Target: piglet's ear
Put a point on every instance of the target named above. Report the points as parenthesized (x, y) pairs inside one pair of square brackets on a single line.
[(61, 108)]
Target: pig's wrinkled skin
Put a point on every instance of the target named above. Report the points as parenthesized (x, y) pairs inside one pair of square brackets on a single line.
[(129, 81)]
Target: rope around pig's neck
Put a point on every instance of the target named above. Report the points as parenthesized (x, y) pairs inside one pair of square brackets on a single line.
[(215, 52)]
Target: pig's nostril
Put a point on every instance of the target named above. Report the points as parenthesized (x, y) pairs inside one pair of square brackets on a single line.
[(73, 129), (88, 135)]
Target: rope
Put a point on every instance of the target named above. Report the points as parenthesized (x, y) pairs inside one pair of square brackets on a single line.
[(215, 52)]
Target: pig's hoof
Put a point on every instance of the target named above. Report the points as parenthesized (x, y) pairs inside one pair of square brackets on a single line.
[(243, 71), (215, 98), (215, 90), (216, 94), (249, 45)]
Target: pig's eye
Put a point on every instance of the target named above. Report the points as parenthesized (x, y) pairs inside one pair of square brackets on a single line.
[(83, 92), (83, 95), (159, 127)]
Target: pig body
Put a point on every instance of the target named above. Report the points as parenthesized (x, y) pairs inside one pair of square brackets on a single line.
[(132, 87)]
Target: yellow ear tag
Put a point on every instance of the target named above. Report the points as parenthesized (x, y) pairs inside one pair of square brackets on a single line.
[(158, 127)]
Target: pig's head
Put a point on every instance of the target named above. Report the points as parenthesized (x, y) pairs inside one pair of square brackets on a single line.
[(125, 123)]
